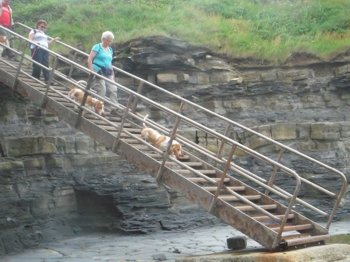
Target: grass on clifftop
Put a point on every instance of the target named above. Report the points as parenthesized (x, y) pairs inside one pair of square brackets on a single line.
[(271, 29)]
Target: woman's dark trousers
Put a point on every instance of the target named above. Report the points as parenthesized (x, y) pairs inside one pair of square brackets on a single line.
[(42, 57)]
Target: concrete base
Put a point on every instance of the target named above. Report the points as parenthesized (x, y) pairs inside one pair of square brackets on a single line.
[(325, 253)]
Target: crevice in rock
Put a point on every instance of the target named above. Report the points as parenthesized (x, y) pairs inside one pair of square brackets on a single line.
[(1, 151), (97, 213), (196, 138)]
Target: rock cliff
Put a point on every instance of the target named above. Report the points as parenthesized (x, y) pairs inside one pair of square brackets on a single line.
[(56, 182)]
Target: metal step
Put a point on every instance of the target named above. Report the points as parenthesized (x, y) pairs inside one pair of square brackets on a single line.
[(261, 218), (290, 236), (204, 172), (191, 164), (203, 180), (289, 227), (233, 198), (158, 156), (122, 135), (131, 141), (307, 240), (250, 208), (112, 128), (233, 188)]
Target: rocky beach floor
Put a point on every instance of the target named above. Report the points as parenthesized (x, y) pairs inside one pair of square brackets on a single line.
[(162, 246)]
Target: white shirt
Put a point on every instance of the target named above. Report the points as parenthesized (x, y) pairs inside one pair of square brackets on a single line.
[(39, 37)]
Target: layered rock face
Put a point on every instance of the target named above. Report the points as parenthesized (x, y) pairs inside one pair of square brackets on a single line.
[(56, 182)]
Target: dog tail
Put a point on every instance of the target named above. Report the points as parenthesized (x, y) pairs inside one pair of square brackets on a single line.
[(72, 92), (82, 83), (144, 120)]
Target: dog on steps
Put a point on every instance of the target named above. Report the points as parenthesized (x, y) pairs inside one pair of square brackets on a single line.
[(92, 103), (3, 40), (161, 141)]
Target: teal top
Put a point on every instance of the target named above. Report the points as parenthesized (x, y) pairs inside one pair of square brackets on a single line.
[(102, 58)]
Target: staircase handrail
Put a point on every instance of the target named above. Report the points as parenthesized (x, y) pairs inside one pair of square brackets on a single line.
[(217, 135)]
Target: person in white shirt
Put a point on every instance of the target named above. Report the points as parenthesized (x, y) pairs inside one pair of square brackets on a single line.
[(39, 54)]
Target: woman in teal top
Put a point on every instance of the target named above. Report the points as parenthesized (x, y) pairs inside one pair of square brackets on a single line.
[(100, 60)]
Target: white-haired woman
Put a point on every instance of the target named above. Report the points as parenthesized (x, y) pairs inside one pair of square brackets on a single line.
[(100, 60)]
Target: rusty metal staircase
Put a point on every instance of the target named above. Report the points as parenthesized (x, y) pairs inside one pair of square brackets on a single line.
[(253, 205)]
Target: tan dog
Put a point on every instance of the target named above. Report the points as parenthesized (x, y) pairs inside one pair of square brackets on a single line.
[(161, 141), (5, 41), (91, 103)]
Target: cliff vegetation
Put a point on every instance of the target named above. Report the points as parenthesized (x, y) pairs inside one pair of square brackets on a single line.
[(264, 29)]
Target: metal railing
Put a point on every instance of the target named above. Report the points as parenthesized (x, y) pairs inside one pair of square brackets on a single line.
[(228, 163)]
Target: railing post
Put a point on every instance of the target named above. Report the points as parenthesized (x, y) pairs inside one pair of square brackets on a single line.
[(275, 169), (81, 109), (139, 89), (219, 154), (53, 69), (288, 210), (117, 139), (71, 66), (19, 39), (15, 84), (337, 203), (221, 182), (49, 83), (165, 156), (13, 38)]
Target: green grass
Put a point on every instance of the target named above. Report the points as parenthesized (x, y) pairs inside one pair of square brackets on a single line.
[(339, 239), (271, 29)]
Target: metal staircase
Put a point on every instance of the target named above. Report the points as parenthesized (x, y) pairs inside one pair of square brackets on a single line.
[(215, 180)]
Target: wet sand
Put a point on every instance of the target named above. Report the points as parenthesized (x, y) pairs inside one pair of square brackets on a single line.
[(163, 246)]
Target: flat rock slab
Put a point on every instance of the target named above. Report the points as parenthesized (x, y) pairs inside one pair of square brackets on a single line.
[(325, 253), (235, 243)]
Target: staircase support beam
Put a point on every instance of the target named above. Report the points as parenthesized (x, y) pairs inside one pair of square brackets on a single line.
[(120, 129), (172, 135), (223, 175)]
